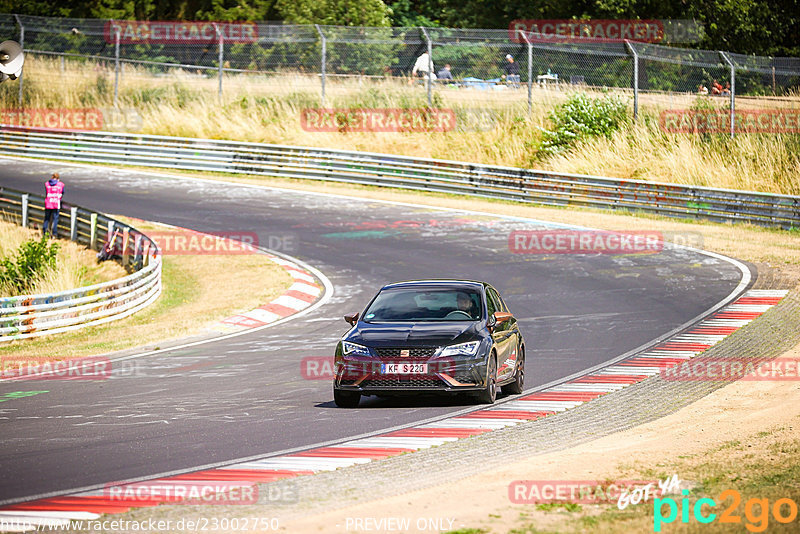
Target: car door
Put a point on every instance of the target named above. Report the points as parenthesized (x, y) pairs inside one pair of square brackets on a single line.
[(514, 337), (502, 335)]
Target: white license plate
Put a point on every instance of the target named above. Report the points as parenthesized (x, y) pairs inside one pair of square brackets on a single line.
[(404, 368)]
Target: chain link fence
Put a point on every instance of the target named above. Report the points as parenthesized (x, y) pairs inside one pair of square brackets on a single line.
[(471, 66)]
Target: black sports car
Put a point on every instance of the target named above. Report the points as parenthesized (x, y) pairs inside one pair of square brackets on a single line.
[(442, 336)]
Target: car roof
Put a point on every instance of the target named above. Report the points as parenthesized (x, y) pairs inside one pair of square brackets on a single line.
[(456, 284)]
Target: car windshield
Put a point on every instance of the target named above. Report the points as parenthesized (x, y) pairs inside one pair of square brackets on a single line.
[(412, 305)]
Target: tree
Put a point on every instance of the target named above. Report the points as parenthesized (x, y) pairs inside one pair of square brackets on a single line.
[(335, 12)]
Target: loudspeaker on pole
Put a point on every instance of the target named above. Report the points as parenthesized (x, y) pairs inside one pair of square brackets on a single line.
[(11, 60)]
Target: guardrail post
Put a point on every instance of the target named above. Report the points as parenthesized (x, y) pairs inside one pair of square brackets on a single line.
[(73, 224), (126, 257), (116, 67), (22, 45), (323, 59), (93, 231), (635, 79), (136, 250), (110, 230), (727, 60), (430, 63), (146, 253), (25, 210)]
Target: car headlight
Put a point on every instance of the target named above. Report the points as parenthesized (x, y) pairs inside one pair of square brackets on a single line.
[(462, 349), (354, 349)]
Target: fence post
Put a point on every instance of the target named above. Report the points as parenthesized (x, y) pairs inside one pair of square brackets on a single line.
[(323, 59), (93, 231), (22, 45), (25, 210), (116, 67), (126, 258), (220, 59), (430, 63), (73, 224), (635, 79), (727, 60), (530, 71)]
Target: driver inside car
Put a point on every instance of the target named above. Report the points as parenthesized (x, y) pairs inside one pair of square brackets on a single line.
[(466, 304)]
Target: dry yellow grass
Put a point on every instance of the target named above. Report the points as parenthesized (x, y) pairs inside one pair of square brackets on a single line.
[(190, 303), (76, 266), (267, 109)]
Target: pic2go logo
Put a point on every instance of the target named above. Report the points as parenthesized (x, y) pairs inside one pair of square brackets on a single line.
[(756, 511)]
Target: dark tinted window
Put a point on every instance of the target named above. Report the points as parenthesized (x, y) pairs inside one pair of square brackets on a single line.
[(491, 302), (415, 305)]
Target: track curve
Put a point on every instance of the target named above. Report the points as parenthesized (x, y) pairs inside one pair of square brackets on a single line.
[(245, 396)]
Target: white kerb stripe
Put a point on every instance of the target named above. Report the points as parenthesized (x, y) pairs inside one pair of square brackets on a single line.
[(306, 288), (536, 406), (261, 315), (472, 422), (291, 302), (397, 442), (604, 388), (301, 276)]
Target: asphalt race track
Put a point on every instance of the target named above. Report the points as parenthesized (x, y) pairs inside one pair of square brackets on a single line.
[(245, 396)]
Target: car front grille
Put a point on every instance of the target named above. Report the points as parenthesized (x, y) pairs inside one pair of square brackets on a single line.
[(414, 353), (402, 382)]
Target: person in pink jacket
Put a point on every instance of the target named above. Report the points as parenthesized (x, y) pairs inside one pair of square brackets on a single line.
[(54, 190)]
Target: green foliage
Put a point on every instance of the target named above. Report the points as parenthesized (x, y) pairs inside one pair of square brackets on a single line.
[(335, 12), (34, 259), (581, 118)]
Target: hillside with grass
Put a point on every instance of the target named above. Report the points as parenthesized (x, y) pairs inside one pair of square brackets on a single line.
[(490, 128)]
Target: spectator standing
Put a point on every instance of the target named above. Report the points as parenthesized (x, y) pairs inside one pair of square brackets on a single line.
[(423, 68), (512, 70), (54, 191)]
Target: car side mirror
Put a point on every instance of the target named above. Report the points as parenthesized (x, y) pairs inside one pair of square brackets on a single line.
[(351, 318), (491, 322), (502, 317)]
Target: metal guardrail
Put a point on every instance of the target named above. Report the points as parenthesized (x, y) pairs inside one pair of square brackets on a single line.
[(508, 183), (29, 316)]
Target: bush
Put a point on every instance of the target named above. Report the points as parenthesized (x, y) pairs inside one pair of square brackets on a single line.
[(34, 260), (580, 118)]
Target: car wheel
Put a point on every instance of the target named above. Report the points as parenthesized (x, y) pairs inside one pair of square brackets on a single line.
[(515, 387), (346, 399), (489, 394)]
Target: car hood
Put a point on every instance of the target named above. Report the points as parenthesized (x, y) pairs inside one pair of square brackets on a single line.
[(414, 334)]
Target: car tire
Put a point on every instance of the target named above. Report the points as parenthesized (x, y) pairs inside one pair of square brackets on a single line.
[(489, 394), (516, 387), (346, 399)]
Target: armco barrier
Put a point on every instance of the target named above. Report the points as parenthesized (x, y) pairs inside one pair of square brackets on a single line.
[(524, 185), (29, 316)]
